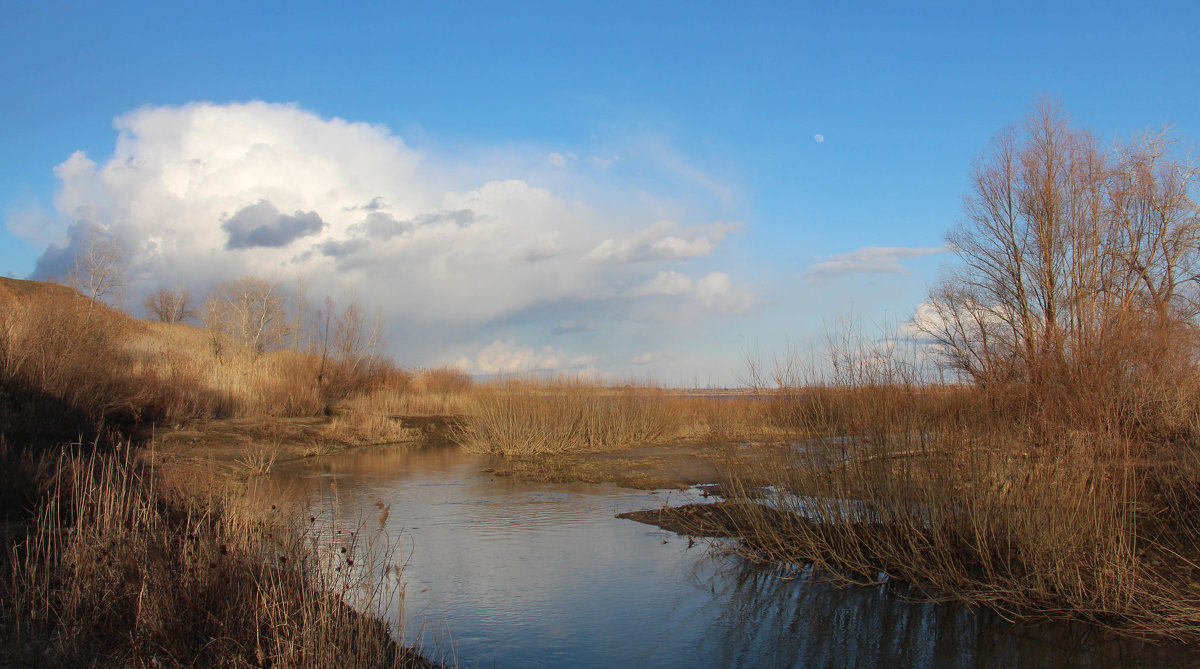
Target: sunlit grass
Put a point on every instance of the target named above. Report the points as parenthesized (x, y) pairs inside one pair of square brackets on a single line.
[(119, 570)]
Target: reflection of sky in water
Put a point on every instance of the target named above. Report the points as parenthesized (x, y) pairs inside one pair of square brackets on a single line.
[(527, 575)]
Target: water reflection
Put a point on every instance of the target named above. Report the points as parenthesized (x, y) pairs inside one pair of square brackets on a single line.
[(762, 620), (534, 575)]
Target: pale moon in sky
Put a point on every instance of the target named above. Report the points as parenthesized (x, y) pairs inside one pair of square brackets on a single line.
[(819, 138)]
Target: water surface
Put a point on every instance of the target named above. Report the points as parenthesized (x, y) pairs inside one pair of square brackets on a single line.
[(502, 573)]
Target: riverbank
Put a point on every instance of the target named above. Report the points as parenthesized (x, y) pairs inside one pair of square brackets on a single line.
[(123, 565), (122, 553), (234, 449)]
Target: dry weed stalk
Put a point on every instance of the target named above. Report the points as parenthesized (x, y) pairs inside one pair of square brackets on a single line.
[(257, 460)]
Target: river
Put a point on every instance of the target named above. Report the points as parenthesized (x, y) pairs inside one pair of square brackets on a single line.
[(504, 573)]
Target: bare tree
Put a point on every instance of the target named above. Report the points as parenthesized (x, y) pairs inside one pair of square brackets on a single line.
[(302, 329), (1069, 253), (1156, 224), (171, 306), (99, 270), (248, 313), (347, 344)]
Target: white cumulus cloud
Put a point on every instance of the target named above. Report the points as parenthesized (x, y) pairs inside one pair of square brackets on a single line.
[(675, 297), (203, 193)]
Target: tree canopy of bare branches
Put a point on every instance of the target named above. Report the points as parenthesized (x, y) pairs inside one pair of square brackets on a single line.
[(171, 306), (348, 346), (99, 271), (1075, 259), (246, 314)]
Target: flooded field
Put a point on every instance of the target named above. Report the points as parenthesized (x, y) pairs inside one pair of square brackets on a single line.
[(504, 573)]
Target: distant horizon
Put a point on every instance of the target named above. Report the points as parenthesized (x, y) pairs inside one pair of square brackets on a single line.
[(630, 191)]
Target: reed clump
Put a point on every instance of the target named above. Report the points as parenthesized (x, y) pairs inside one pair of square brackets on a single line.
[(563, 415), (118, 570), (1070, 525), (442, 381)]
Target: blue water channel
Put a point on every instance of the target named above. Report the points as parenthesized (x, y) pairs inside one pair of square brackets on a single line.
[(503, 573)]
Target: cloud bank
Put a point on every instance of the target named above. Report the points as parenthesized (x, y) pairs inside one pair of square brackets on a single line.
[(203, 193), (868, 260)]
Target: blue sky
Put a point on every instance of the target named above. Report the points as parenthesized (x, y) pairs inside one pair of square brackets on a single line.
[(644, 188)]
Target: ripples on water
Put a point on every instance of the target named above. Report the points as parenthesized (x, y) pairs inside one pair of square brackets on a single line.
[(510, 574)]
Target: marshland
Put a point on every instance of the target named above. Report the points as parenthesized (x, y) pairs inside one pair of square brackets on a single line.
[(1012, 476)]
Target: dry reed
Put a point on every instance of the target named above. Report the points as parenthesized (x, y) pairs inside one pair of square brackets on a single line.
[(961, 491), (115, 571), (542, 416)]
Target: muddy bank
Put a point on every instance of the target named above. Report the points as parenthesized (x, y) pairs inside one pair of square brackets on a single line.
[(677, 465), (235, 448), (696, 520), (725, 519)]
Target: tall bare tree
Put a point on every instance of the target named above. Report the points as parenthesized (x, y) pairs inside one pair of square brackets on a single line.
[(247, 313), (99, 270), (1072, 257), (171, 306), (347, 344), (302, 328)]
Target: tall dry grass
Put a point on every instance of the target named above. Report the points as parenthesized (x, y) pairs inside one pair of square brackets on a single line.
[(116, 368), (563, 415), (50, 343), (1034, 511), (107, 566), (442, 381), (187, 378), (118, 572)]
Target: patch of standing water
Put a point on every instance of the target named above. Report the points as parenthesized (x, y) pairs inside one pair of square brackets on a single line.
[(503, 573)]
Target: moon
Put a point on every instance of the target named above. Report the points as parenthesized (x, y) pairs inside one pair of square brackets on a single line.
[(819, 138)]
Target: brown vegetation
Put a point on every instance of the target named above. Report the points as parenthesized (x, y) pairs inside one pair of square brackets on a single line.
[(120, 570), (1061, 480), (171, 306), (115, 564), (544, 416)]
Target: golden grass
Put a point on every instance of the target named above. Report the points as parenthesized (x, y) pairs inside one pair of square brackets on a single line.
[(542, 416), (114, 367), (1033, 511), (546, 416), (115, 569), (118, 572), (191, 380), (388, 401), (442, 381)]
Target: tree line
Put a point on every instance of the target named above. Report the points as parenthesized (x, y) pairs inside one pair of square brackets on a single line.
[(246, 316)]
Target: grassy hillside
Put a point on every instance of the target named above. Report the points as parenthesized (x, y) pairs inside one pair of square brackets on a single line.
[(109, 562)]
